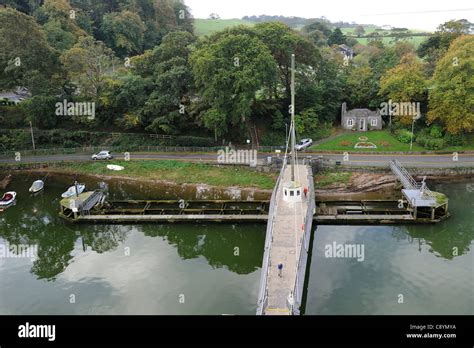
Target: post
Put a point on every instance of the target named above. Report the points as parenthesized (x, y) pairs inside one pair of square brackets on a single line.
[(412, 130), (32, 136), (293, 133)]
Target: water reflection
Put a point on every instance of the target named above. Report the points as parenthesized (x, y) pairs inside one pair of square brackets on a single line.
[(35, 221)]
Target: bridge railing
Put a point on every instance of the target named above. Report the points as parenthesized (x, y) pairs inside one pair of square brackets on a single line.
[(263, 290), (303, 248)]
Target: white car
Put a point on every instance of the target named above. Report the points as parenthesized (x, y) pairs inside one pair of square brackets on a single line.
[(103, 155), (303, 144)]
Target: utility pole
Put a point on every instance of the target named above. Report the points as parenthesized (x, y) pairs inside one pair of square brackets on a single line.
[(32, 136), (293, 133)]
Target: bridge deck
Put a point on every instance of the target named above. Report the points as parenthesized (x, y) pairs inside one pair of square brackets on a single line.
[(285, 247)]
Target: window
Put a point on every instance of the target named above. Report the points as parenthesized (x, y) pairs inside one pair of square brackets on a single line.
[(350, 122), (373, 122), (292, 193), (298, 193)]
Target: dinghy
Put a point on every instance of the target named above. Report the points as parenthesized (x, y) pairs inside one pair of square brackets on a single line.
[(72, 190), (114, 167), (37, 186), (7, 199)]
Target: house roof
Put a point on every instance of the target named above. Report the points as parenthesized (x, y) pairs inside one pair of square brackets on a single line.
[(361, 113)]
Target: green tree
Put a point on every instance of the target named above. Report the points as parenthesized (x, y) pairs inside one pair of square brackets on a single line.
[(359, 30), (124, 32), (89, 64), (337, 37), (228, 73), (361, 86), (451, 100), (26, 57)]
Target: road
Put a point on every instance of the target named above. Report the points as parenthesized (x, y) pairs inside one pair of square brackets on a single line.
[(370, 160)]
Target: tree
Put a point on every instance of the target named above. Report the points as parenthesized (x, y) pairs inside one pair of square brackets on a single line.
[(359, 30), (361, 86), (124, 32), (282, 42), (337, 37), (405, 83), (307, 122), (88, 65), (228, 73), (451, 100), (26, 57)]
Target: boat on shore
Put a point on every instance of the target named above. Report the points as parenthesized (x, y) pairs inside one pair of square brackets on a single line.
[(37, 186), (76, 189), (7, 199)]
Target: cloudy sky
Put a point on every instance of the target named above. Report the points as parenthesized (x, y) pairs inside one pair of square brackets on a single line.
[(414, 14)]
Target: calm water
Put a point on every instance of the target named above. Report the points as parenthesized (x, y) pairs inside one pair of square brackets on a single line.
[(194, 269)]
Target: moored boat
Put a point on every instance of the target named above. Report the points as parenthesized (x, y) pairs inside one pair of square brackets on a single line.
[(7, 199), (37, 186), (74, 190)]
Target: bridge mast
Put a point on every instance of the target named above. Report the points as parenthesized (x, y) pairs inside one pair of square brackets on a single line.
[(293, 133)]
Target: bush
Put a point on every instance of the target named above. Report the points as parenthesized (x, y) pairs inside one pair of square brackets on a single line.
[(403, 135), (436, 131), (193, 141), (456, 139), (430, 143), (273, 139)]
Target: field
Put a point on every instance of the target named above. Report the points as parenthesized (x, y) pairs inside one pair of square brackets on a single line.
[(209, 26), (415, 40)]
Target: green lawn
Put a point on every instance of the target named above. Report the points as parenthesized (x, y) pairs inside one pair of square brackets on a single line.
[(383, 139), (209, 26), (178, 172)]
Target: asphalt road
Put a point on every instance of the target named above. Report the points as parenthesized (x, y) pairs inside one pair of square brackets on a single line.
[(371, 160)]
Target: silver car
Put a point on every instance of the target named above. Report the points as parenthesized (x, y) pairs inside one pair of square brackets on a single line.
[(103, 155), (304, 144)]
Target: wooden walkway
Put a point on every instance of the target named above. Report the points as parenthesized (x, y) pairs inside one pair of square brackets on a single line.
[(286, 245)]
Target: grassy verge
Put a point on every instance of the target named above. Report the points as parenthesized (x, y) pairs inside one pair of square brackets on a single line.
[(330, 178), (209, 26), (177, 172)]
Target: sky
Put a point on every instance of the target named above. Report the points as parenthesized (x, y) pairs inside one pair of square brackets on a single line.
[(413, 14)]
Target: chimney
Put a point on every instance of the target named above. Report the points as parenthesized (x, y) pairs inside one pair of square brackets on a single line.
[(344, 109)]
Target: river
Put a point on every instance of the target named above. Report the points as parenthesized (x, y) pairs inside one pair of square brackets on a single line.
[(215, 269)]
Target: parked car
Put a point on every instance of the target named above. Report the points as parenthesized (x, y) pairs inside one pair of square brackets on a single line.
[(303, 144), (103, 155)]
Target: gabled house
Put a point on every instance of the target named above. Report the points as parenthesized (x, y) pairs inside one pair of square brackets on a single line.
[(360, 119), (346, 51)]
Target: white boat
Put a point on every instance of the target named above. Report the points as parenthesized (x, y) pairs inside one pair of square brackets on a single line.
[(114, 167), (72, 190), (37, 186), (8, 199)]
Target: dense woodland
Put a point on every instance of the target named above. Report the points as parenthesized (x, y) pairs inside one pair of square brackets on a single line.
[(141, 64)]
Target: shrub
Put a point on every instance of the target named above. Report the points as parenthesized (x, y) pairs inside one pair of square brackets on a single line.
[(193, 141), (403, 135), (436, 131), (456, 139), (430, 143)]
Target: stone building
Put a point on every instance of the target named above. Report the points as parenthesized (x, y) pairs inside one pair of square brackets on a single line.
[(360, 119)]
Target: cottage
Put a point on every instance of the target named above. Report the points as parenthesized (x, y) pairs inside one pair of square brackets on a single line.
[(347, 52), (360, 119)]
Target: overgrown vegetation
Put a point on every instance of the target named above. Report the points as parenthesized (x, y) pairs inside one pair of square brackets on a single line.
[(179, 172)]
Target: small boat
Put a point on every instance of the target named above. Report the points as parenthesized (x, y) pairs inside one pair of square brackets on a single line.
[(37, 186), (72, 190), (8, 199), (114, 167)]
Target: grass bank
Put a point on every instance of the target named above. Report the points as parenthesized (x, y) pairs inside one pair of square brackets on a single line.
[(176, 172)]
